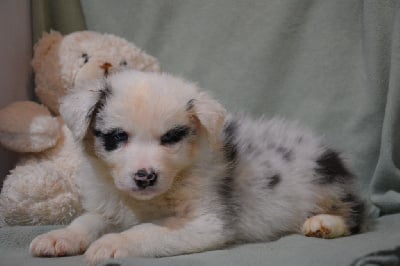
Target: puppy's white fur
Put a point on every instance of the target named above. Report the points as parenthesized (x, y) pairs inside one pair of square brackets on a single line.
[(219, 179)]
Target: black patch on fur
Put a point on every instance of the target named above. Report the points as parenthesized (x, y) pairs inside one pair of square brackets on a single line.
[(287, 154), (85, 57), (226, 186), (331, 169), (105, 93), (112, 139), (174, 135), (230, 148), (190, 104), (356, 217), (273, 181)]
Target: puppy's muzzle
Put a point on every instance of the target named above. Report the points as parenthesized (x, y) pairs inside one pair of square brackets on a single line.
[(145, 178)]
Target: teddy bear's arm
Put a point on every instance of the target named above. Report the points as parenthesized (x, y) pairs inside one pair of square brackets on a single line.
[(28, 127)]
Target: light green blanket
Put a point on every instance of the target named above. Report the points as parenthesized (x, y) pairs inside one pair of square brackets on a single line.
[(291, 250), (332, 65)]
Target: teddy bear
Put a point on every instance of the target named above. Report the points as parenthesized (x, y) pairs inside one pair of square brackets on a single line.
[(41, 189)]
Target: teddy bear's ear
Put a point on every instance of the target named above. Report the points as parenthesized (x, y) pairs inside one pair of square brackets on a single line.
[(151, 64), (42, 48), (78, 107)]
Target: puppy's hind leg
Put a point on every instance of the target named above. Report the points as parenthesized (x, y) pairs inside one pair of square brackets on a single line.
[(325, 226)]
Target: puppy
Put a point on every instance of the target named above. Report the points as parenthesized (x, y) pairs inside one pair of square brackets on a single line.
[(168, 172)]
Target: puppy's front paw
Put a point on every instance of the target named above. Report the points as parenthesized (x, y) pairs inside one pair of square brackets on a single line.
[(108, 247), (325, 226), (63, 242)]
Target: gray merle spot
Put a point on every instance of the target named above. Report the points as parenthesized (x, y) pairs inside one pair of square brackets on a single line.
[(273, 181), (356, 217), (230, 148), (287, 154), (271, 146), (331, 169)]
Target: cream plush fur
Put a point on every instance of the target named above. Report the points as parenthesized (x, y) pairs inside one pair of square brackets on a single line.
[(41, 189)]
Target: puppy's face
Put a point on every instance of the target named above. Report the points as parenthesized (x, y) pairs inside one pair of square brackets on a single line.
[(146, 139), (146, 128)]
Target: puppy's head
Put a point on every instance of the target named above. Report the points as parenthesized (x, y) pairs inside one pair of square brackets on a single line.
[(146, 127)]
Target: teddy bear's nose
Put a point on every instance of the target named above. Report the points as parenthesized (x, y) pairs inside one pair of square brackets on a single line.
[(105, 67)]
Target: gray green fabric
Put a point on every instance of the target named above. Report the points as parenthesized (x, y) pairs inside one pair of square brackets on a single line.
[(389, 257), (332, 65), (385, 185), (290, 250), (62, 15)]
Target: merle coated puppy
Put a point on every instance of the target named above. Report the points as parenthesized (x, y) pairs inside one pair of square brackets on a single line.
[(169, 172)]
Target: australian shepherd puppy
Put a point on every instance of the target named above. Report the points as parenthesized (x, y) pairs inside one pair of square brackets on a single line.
[(168, 172)]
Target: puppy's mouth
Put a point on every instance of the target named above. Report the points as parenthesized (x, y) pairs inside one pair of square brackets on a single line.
[(144, 193), (144, 187)]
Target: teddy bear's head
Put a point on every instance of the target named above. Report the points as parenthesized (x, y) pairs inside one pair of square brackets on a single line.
[(60, 62)]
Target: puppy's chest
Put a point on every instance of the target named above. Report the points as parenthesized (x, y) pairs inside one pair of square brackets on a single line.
[(175, 203)]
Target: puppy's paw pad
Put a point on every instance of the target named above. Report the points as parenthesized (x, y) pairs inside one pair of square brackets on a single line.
[(325, 226), (57, 243), (108, 247)]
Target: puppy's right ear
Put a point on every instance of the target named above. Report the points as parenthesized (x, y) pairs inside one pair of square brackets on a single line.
[(210, 114), (78, 107)]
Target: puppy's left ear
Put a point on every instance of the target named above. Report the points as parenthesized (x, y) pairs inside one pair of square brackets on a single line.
[(78, 107), (210, 114)]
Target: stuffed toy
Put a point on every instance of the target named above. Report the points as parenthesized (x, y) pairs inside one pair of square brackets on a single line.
[(41, 189)]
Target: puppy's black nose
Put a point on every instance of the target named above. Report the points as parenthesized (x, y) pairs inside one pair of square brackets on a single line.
[(145, 178)]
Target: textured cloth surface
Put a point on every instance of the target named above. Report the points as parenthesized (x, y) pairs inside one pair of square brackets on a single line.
[(60, 15), (389, 257), (290, 250)]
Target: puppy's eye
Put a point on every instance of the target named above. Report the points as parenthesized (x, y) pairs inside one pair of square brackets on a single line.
[(123, 63), (112, 139), (85, 57), (174, 135)]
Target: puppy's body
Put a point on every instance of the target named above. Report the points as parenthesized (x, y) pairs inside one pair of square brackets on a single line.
[(169, 171)]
